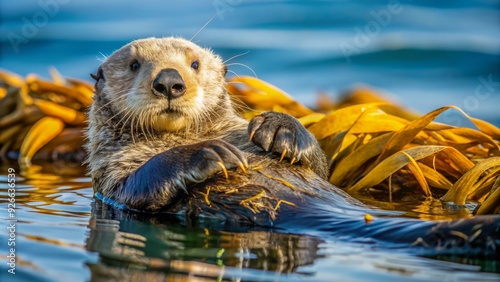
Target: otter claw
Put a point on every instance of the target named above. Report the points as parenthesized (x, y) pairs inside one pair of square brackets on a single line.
[(252, 134), (223, 169), (242, 166), (217, 155), (283, 155)]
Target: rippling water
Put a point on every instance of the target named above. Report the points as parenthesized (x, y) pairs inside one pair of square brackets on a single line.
[(425, 54), (62, 235)]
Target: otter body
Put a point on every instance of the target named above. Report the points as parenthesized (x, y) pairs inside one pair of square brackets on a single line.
[(164, 137), (162, 120)]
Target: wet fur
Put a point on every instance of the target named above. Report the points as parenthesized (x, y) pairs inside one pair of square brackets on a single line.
[(168, 163), (127, 126)]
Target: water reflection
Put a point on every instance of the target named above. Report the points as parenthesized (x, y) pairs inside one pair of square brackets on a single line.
[(52, 218), (133, 246), (61, 239), (153, 245)]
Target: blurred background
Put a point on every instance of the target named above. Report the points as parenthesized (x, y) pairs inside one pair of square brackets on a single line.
[(422, 54)]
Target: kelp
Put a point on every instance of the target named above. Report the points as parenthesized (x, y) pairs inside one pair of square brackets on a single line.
[(41, 116), (369, 140), (371, 143)]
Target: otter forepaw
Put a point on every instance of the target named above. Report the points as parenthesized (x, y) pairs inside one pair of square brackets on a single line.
[(284, 135), (156, 183), (213, 156)]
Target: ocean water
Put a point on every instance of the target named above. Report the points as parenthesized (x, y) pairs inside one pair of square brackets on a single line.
[(421, 54)]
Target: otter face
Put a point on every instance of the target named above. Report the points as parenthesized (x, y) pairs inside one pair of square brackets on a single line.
[(167, 84)]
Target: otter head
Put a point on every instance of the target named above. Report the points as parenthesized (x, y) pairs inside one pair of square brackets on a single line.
[(167, 84)]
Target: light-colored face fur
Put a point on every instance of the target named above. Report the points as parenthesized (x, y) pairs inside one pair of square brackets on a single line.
[(130, 91)]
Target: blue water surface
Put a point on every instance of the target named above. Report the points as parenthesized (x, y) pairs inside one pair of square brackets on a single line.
[(422, 54)]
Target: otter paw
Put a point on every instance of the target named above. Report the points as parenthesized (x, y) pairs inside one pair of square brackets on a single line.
[(209, 157), (284, 135)]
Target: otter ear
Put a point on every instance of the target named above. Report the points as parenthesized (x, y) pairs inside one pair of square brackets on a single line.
[(225, 70), (99, 79)]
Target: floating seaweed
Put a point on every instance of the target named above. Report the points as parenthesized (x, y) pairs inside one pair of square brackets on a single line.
[(374, 147)]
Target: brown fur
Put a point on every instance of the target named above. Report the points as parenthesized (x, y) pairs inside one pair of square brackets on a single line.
[(141, 156), (127, 125)]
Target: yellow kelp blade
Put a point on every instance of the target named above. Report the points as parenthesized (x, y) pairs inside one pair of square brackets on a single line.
[(75, 82), (6, 134), (65, 114), (41, 86), (56, 76), (3, 92), (372, 120), (404, 136), (24, 108), (343, 119), (484, 184), (263, 96), (419, 175), (311, 119), (459, 192), (482, 125), (492, 203), (486, 127), (40, 134), (360, 94), (11, 79), (350, 165), (324, 103), (397, 161), (468, 135), (434, 178)]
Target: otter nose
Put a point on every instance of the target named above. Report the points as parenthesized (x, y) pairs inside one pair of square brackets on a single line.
[(169, 83)]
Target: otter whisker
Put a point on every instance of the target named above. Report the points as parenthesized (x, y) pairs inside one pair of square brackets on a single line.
[(142, 123), (243, 65), (132, 122), (105, 58), (127, 111), (203, 27), (139, 124), (239, 105), (209, 116), (236, 56), (119, 112), (111, 101), (233, 72), (146, 123), (129, 114), (201, 120)]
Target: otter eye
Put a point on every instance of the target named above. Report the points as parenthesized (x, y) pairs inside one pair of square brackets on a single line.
[(135, 65), (195, 64)]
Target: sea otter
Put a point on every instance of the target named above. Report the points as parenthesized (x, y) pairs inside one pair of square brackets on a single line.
[(162, 120), (163, 138)]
